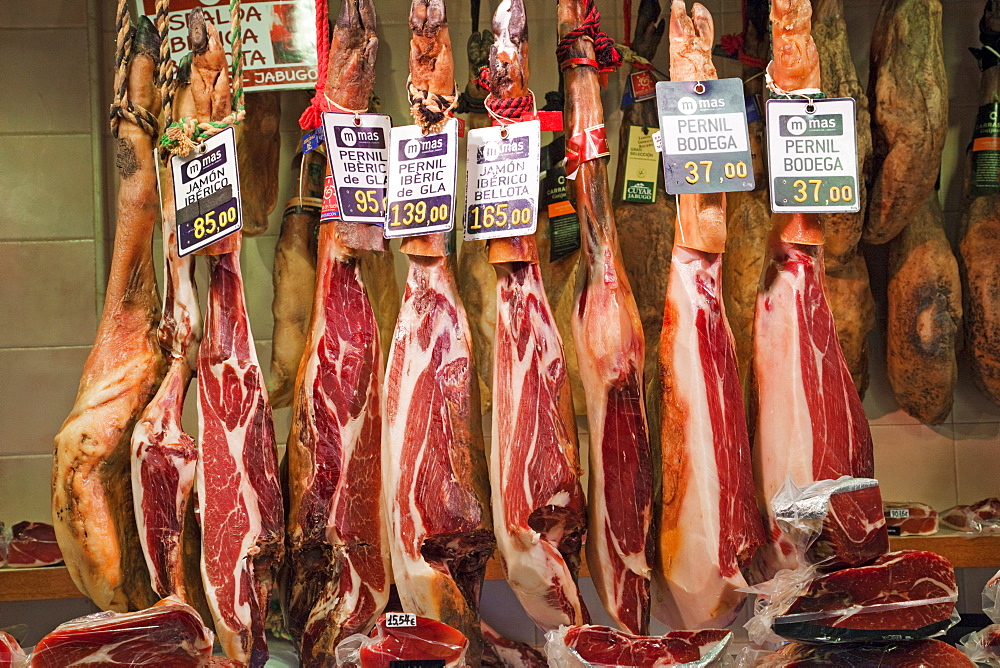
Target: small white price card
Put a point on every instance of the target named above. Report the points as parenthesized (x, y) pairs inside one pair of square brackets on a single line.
[(812, 155), (207, 193), (358, 150), (422, 171), (501, 194), (395, 620)]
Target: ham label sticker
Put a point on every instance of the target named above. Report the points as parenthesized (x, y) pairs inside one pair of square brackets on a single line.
[(812, 155), (279, 38), (705, 141), (501, 194), (986, 151), (642, 165), (422, 171), (207, 193), (357, 149)]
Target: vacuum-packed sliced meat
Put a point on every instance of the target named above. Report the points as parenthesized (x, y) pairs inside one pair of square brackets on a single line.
[(914, 654), (980, 516), (610, 346), (603, 647), (908, 94), (925, 316), (418, 640), (910, 518), (92, 506), (168, 634), (11, 654), (709, 524), (32, 544), (335, 580), (905, 595)]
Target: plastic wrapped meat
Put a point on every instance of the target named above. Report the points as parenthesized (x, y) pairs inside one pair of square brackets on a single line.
[(916, 654), (834, 523), (980, 517), (604, 647), (168, 634), (32, 544), (11, 654), (910, 518), (905, 595), (984, 646), (428, 640)]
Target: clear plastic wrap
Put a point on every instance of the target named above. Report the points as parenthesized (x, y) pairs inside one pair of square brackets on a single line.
[(11, 654), (833, 523), (30, 545), (905, 595), (980, 517), (604, 647), (425, 640), (984, 646), (930, 653)]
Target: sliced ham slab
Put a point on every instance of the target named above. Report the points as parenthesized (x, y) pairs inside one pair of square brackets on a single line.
[(916, 654), (603, 647), (32, 544)]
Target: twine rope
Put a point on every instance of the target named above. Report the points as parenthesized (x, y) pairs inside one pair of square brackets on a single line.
[(122, 107)]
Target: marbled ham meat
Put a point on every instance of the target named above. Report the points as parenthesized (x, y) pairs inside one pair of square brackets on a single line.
[(835, 523), (499, 652), (168, 634), (905, 595), (982, 516), (709, 523), (32, 544), (915, 654), (909, 518), (603, 647), (11, 654), (429, 640)]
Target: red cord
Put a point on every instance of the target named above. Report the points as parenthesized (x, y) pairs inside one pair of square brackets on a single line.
[(608, 58), (312, 116)]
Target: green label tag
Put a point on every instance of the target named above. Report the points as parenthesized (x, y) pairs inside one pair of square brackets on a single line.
[(986, 151), (642, 164)]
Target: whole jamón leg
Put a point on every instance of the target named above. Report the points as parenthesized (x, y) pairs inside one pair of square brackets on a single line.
[(336, 578), (434, 469), (92, 507), (538, 501), (258, 146), (709, 523), (810, 423), (610, 348), (239, 496)]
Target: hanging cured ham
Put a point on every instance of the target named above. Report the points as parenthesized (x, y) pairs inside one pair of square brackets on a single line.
[(810, 423), (646, 231), (164, 456), (258, 147), (609, 344), (91, 487), (435, 469), (336, 577), (239, 497), (709, 523), (538, 502)]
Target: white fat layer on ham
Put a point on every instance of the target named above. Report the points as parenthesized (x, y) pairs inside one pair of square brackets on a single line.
[(696, 594), (420, 585), (608, 348), (212, 500), (784, 439), (534, 566)]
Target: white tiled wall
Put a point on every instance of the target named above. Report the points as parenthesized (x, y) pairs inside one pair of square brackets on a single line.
[(54, 263)]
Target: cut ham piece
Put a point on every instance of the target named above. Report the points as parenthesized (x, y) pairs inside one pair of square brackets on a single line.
[(909, 518), (904, 595), (916, 654), (499, 652), (336, 578), (164, 456), (428, 640), (835, 523), (709, 523), (91, 487), (32, 544), (603, 647), (610, 349), (435, 475), (538, 502), (11, 654), (168, 634), (982, 516)]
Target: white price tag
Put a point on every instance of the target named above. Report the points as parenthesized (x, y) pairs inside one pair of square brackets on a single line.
[(395, 620), (422, 171), (207, 193), (501, 195), (899, 513), (812, 155), (358, 151)]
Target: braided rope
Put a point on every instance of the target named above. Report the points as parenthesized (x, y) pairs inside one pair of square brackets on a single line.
[(608, 57), (313, 114), (186, 133), (505, 110), (430, 110), (122, 107)]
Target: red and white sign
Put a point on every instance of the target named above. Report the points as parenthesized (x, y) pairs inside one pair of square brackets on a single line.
[(279, 38)]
